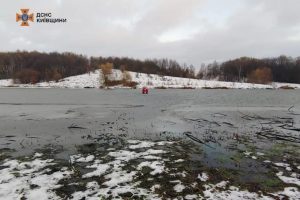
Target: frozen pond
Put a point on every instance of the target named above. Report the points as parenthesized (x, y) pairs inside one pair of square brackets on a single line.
[(184, 144)]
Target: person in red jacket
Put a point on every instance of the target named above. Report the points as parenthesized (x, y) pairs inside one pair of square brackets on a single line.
[(145, 90)]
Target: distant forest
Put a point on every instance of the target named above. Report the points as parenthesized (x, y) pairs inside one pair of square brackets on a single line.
[(33, 67), (245, 69)]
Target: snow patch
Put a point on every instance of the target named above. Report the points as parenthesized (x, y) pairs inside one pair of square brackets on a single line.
[(281, 164), (100, 169), (157, 166), (178, 161), (93, 80), (213, 192), (260, 154), (30, 179), (286, 179), (203, 177), (80, 158), (179, 187), (143, 144), (191, 197)]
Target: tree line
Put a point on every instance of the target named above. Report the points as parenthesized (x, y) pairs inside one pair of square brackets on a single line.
[(246, 69), (166, 67), (33, 67)]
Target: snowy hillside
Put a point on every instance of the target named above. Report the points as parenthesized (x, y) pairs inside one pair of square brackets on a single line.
[(92, 80)]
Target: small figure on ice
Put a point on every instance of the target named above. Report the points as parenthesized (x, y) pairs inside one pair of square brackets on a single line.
[(145, 90)]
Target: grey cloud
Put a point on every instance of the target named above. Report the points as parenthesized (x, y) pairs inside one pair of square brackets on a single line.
[(203, 30)]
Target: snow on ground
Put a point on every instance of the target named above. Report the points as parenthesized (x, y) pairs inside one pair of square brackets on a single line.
[(157, 166), (179, 187), (6, 82), (294, 179), (136, 144), (30, 179), (93, 80), (119, 180), (281, 164), (217, 191), (203, 177), (79, 158), (118, 175)]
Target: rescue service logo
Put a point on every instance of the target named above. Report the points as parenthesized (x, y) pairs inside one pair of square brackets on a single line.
[(24, 17), (41, 17)]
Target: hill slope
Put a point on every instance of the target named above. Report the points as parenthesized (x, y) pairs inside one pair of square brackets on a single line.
[(93, 80)]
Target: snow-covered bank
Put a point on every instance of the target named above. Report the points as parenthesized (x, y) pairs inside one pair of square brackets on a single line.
[(141, 169), (92, 80)]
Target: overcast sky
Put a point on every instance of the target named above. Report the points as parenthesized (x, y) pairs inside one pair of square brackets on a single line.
[(190, 31)]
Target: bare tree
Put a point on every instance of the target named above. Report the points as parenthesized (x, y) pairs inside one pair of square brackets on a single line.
[(106, 71)]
